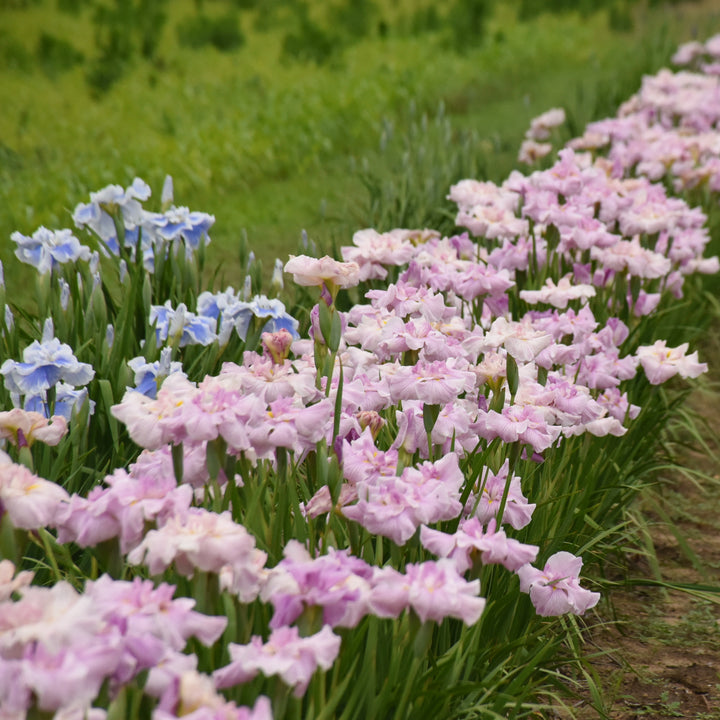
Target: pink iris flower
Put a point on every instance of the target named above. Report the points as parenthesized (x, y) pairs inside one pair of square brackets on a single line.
[(555, 590)]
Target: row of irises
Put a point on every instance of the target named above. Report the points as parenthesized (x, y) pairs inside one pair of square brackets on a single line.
[(301, 503)]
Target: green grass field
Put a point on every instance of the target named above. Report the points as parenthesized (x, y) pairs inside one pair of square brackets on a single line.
[(272, 146)]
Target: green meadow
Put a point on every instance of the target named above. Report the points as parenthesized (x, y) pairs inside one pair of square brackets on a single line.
[(273, 141)]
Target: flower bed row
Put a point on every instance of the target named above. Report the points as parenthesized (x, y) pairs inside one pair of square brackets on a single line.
[(372, 505)]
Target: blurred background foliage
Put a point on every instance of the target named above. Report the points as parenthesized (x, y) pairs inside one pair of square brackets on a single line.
[(284, 115)]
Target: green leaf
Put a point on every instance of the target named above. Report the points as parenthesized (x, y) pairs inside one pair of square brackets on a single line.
[(513, 377)]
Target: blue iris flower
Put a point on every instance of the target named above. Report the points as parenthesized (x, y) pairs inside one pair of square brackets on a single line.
[(193, 329), (149, 376), (44, 365), (46, 249), (67, 400), (277, 317), (97, 215), (229, 309)]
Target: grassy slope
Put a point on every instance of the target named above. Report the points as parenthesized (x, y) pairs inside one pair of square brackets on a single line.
[(264, 145)]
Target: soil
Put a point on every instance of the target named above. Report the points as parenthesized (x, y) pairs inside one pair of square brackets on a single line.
[(656, 651)]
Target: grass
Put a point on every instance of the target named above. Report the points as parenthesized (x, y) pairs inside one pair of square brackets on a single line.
[(269, 146)]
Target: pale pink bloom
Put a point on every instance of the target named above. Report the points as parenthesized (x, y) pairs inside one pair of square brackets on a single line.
[(518, 424), (646, 303), (587, 233), (492, 368), (558, 295), (541, 125), (565, 177), (70, 678), (531, 151), (437, 591), (404, 299), (518, 511), (29, 501), (23, 427), (411, 434), (11, 583), (126, 509), (291, 425), (395, 507), (648, 217), (295, 659), (150, 618), (196, 540), (437, 487), (337, 582), (321, 502), (521, 340), (193, 696), (144, 499), (469, 193), (660, 362), (569, 402), (604, 370), (205, 415), (374, 327), (453, 425), (599, 427), (152, 423), (435, 383), (471, 542), (266, 379), (434, 590), (515, 254), (313, 271), (566, 216), (617, 404), (158, 463), (216, 412), (386, 509), (579, 324), (374, 250), (411, 335), (687, 52), (555, 590), (245, 577), (631, 257), (491, 221), (88, 521), (168, 670), (80, 713), (54, 617), (478, 279), (704, 266), (364, 462)]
